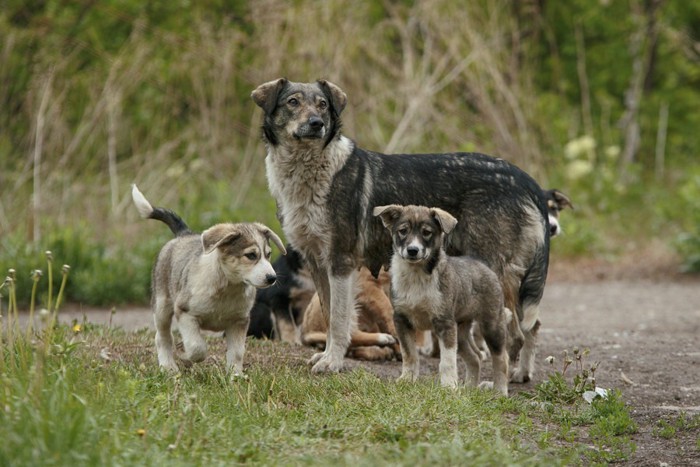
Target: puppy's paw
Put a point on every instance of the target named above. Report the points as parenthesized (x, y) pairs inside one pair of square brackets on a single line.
[(385, 339), (236, 376), (489, 385), (170, 368), (520, 376), (327, 364), (449, 383)]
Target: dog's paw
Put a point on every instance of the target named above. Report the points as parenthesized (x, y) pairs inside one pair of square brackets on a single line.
[(236, 376), (315, 358), (520, 376), (327, 364), (488, 385), (386, 339), (409, 376)]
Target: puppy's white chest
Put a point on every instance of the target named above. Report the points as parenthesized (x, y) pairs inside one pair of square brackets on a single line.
[(217, 312), (416, 295)]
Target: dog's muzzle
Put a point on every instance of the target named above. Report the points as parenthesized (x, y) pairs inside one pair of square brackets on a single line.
[(313, 128), (412, 254)]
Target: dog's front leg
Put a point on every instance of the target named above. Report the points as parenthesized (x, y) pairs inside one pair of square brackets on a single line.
[(410, 359), (195, 345), (235, 347), (341, 316), (446, 332)]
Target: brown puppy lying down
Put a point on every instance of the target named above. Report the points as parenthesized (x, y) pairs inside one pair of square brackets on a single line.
[(373, 336)]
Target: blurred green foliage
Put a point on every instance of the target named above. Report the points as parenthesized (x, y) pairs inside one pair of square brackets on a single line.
[(97, 95)]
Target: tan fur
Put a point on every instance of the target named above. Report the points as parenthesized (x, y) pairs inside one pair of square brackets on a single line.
[(374, 327)]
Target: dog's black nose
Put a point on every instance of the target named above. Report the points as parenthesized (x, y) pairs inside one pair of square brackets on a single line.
[(412, 251), (316, 123), (270, 279)]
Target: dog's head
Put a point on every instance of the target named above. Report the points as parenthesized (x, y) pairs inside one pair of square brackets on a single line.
[(300, 112), (243, 252), (556, 201), (416, 231)]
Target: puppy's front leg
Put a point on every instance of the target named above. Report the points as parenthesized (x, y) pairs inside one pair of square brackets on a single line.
[(446, 332), (410, 359), (163, 317), (341, 316), (195, 345), (235, 347)]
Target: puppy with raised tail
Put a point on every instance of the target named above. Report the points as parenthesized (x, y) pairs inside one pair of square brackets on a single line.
[(433, 291), (207, 282)]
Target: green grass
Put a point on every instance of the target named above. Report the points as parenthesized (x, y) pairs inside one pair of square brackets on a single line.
[(97, 397), (85, 394)]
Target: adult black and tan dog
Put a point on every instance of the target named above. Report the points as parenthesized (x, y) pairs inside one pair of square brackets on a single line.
[(326, 187)]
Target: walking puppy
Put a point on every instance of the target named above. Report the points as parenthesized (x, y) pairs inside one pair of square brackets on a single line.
[(326, 186), (208, 282), (443, 294)]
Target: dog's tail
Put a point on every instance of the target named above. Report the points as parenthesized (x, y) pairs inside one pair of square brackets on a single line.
[(172, 220)]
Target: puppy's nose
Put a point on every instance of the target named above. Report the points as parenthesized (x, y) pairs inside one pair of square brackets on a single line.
[(316, 123), (270, 279), (412, 251), (552, 230)]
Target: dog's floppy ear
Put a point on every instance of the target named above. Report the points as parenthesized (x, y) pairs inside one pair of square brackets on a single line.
[(270, 235), (218, 235), (388, 214), (445, 219), (561, 199), (265, 96), (335, 95)]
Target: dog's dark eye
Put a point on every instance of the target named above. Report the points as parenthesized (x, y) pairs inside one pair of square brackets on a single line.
[(268, 255), (293, 101), (323, 104), (427, 233), (403, 231), (251, 256)]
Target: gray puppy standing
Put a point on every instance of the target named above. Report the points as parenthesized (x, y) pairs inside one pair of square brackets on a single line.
[(207, 282), (433, 291)]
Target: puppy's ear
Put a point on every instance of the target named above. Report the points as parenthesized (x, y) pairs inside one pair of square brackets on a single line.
[(217, 236), (388, 214), (265, 96), (334, 94), (270, 235), (445, 219), (561, 199)]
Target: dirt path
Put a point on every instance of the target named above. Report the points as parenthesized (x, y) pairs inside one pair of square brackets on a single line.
[(646, 335)]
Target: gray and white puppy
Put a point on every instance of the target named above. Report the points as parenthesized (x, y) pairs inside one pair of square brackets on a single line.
[(433, 291), (207, 282)]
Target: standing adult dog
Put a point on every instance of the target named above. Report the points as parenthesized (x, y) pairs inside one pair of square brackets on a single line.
[(326, 187)]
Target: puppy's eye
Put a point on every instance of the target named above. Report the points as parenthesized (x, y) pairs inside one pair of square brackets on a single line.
[(268, 255), (427, 233), (251, 256), (292, 101), (403, 231), (322, 105)]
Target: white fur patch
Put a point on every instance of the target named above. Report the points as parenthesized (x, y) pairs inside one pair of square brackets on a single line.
[(415, 291), (300, 181)]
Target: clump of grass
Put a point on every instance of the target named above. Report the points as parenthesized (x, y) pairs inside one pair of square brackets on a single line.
[(561, 398)]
